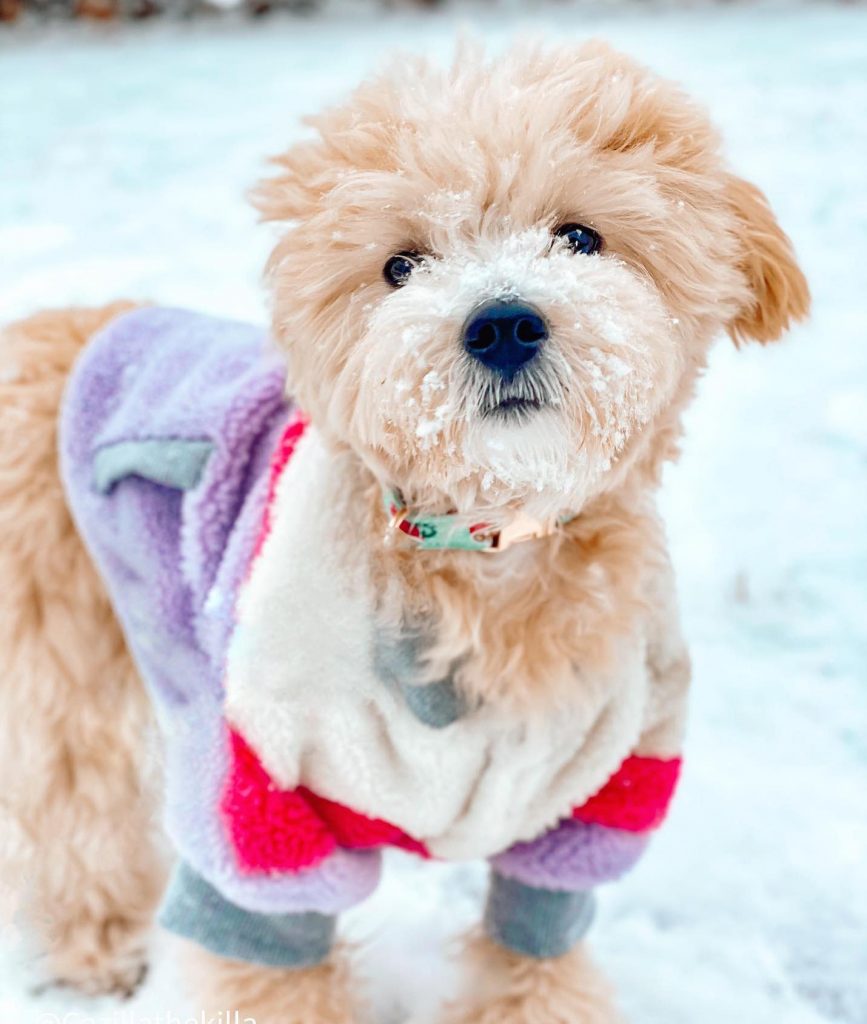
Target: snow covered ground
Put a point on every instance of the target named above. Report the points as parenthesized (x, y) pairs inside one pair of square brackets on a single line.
[(125, 153)]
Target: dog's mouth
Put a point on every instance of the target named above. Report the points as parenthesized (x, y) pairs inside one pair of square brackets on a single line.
[(513, 408), (514, 401)]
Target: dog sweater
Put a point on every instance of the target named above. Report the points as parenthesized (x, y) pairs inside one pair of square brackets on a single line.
[(298, 740)]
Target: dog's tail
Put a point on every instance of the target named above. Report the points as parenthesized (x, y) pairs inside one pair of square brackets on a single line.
[(72, 712)]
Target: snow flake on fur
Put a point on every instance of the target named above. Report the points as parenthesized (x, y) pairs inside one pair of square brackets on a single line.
[(636, 797)]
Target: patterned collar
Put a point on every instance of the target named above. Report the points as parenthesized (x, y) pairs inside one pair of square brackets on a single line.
[(457, 532)]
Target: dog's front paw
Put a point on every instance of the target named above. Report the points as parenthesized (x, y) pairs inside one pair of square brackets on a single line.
[(98, 968), (506, 988), (325, 994)]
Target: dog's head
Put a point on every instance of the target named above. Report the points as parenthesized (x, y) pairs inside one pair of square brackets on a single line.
[(500, 281)]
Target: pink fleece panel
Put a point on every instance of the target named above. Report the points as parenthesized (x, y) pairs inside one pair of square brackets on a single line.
[(636, 797), (273, 829), (270, 829)]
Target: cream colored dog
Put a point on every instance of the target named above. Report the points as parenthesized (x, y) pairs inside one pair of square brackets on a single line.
[(495, 291)]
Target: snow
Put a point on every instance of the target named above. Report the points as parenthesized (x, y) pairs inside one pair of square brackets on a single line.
[(125, 153)]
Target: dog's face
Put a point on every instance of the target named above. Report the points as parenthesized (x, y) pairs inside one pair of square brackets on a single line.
[(501, 280)]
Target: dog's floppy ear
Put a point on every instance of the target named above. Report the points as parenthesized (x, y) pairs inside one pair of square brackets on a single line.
[(779, 292), (294, 189)]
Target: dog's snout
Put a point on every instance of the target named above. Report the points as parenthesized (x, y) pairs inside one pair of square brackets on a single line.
[(505, 335)]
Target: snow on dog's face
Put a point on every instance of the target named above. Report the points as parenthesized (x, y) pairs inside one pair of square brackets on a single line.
[(502, 279)]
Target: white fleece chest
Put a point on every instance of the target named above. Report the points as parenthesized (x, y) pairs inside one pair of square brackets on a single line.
[(304, 686)]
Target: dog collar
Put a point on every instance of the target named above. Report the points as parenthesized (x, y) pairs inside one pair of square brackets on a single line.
[(456, 532)]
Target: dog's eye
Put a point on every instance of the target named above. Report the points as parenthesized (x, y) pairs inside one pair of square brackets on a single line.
[(580, 238), (398, 269)]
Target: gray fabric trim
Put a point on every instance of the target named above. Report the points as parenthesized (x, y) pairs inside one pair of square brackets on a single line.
[(194, 909), (437, 704), (173, 462), (539, 923)]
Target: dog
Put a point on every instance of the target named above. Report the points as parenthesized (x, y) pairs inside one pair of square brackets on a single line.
[(425, 601)]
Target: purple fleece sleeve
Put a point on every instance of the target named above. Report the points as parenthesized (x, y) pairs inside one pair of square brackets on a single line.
[(572, 856)]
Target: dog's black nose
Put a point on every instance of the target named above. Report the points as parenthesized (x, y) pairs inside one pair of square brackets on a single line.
[(505, 335)]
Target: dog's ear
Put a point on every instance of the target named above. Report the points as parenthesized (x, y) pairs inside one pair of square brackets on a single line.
[(294, 189), (778, 290)]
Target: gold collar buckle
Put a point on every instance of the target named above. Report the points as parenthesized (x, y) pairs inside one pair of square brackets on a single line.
[(521, 528)]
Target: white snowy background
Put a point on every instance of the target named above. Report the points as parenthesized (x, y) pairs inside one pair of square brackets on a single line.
[(124, 155)]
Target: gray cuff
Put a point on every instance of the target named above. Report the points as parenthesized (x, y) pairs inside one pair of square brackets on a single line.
[(195, 910), (539, 923)]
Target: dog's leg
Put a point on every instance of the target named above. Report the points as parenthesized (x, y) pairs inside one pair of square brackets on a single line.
[(312, 995), (505, 987), (73, 717), (529, 966)]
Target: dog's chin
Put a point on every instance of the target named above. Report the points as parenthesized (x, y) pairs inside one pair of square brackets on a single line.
[(519, 451), (523, 453)]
